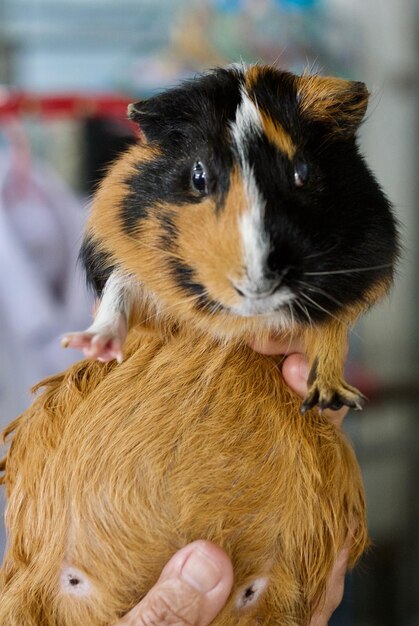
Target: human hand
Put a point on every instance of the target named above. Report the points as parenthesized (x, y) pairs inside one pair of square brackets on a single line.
[(335, 587), (196, 582), (295, 370), (191, 591)]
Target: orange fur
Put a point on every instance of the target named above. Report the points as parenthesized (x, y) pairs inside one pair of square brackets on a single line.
[(207, 245), (340, 103), (278, 136), (115, 468)]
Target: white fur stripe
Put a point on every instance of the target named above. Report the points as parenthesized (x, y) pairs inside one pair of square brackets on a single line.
[(248, 125), (254, 238)]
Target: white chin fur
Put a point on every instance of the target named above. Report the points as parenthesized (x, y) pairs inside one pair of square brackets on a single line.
[(268, 305)]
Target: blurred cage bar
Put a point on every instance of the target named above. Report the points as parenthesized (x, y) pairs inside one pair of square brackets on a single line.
[(89, 50)]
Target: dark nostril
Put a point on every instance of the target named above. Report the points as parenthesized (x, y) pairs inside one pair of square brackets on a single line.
[(277, 277), (238, 290), (274, 282)]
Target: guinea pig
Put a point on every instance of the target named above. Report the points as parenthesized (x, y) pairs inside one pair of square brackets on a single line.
[(245, 210)]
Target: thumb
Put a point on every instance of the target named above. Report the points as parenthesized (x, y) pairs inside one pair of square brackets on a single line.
[(192, 589)]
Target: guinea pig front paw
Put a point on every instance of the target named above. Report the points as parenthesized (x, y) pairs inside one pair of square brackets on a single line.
[(103, 343), (333, 397), (103, 347)]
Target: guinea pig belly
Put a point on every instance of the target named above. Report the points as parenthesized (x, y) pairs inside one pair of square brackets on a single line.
[(186, 439)]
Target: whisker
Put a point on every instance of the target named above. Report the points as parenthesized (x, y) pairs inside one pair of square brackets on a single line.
[(305, 311), (318, 306), (292, 329), (320, 291), (322, 253), (305, 308), (356, 269), (213, 307), (352, 331)]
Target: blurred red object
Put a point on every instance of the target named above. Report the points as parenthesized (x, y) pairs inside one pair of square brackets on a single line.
[(15, 103)]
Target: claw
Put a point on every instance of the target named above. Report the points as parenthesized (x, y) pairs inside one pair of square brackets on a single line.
[(310, 401), (334, 399)]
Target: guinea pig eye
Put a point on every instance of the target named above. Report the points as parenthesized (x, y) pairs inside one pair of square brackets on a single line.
[(300, 173), (199, 178)]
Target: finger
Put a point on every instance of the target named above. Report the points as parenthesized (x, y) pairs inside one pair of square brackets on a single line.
[(191, 590), (295, 370), (335, 587), (273, 346)]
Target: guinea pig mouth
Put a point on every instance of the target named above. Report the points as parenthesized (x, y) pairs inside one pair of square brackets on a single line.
[(249, 306)]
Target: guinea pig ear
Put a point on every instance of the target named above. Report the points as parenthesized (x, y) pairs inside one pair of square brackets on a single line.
[(338, 104), (161, 118), (134, 111), (140, 113)]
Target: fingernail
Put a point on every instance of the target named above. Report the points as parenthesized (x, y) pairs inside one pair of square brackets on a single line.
[(304, 370), (201, 572)]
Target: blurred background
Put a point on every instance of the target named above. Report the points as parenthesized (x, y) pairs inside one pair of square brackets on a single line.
[(67, 70)]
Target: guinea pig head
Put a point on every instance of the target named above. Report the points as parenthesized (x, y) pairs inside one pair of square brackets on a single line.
[(247, 205)]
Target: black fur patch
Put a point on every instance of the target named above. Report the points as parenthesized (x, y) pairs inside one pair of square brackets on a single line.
[(349, 232), (169, 231), (188, 124), (165, 180), (97, 264), (185, 278)]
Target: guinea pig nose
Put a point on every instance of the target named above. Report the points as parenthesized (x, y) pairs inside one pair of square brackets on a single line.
[(257, 289)]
